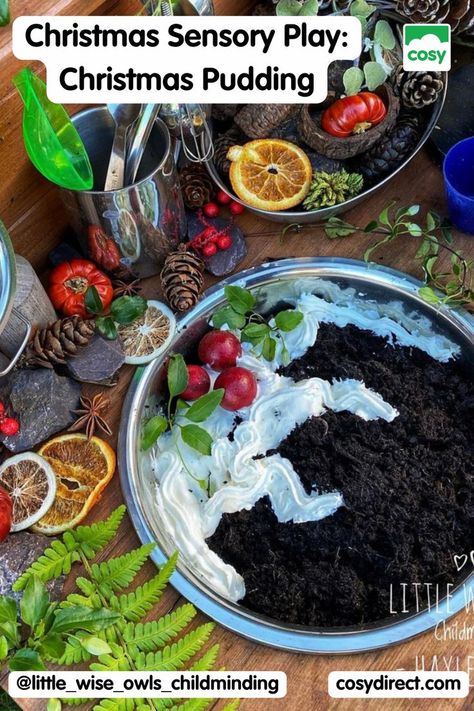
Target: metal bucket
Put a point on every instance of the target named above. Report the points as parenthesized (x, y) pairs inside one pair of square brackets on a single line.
[(146, 220), (270, 282)]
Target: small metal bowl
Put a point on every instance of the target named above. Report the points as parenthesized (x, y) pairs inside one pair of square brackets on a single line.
[(270, 283)]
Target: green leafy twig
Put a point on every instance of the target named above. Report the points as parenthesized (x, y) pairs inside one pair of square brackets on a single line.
[(194, 436), (239, 313), (452, 288), (124, 310), (297, 8)]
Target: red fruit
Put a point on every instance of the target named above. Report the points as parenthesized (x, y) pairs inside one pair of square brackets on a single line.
[(209, 250), (224, 242), (199, 383), (236, 208), (6, 508), (9, 427), (2, 410), (223, 198), (219, 349), (211, 209), (240, 388)]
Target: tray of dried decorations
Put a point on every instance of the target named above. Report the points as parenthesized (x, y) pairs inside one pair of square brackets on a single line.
[(305, 445), (292, 163)]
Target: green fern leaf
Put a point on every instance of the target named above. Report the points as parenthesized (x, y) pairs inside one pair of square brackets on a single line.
[(74, 702), (74, 653), (151, 636), (116, 705), (193, 705), (175, 657), (233, 706), (118, 573), (136, 604), (207, 661), (117, 661), (59, 557)]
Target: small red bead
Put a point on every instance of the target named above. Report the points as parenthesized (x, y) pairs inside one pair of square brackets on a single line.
[(211, 209), (236, 208), (223, 198), (209, 250), (9, 427), (224, 242), (208, 233)]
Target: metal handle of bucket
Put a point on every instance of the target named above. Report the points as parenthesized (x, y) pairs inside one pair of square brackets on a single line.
[(22, 347)]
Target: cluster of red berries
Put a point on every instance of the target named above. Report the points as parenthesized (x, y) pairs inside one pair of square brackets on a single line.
[(213, 209), (9, 426), (210, 240)]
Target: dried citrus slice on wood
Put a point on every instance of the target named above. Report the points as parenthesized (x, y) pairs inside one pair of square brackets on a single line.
[(83, 467), (148, 336), (270, 174), (31, 483)]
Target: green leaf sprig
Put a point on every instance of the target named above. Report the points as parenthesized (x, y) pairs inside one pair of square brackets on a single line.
[(239, 313), (199, 411), (297, 8), (101, 623), (453, 288), (124, 310)]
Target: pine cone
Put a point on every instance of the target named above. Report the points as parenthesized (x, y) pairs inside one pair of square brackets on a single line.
[(424, 10), (55, 343), (328, 189), (259, 120), (263, 9), (391, 150), (224, 112), (233, 137), (196, 186), (417, 89), (182, 278)]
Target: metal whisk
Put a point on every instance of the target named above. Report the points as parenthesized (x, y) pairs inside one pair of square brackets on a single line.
[(189, 124)]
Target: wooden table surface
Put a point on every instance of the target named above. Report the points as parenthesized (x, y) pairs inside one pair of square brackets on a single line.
[(307, 675)]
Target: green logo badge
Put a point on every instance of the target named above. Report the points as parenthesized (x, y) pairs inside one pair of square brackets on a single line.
[(426, 48)]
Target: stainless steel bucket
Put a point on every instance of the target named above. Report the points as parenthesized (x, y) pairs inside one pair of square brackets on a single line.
[(146, 220)]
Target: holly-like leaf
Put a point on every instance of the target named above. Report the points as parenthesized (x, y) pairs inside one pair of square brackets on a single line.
[(26, 660), (255, 333), (34, 603), (288, 320), (228, 316), (374, 75), (241, 300), (92, 301), (126, 309), (202, 408), (177, 375), (197, 438), (152, 430), (106, 327), (353, 79)]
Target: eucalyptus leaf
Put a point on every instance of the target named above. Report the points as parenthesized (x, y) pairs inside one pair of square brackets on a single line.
[(414, 229), (152, 430), (430, 221), (26, 660), (126, 309), (34, 602), (428, 266), (228, 316), (177, 375), (413, 210), (197, 438), (92, 301), (361, 8), (374, 75), (353, 79), (106, 327), (288, 320), (241, 300), (202, 408), (383, 35), (297, 8)]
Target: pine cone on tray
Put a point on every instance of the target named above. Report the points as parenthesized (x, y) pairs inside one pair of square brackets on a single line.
[(182, 279), (417, 89), (224, 112), (196, 186), (391, 150), (259, 120), (232, 137), (424, 10), (54, 344)]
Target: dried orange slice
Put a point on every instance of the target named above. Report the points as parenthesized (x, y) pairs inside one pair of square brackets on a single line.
[(149, 335), (270, 174), (83, 468), (31, 483)]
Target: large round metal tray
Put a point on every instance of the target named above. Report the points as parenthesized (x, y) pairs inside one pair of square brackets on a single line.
[(377, 284)]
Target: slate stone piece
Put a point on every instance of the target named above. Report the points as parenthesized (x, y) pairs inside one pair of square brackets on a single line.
[(97, 362), (225, 261), (17, 552), (43, 402)]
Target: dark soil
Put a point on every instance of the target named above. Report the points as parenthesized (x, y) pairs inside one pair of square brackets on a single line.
[(408, 489)]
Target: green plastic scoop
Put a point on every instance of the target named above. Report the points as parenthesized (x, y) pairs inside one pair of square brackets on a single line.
[(52, 143)]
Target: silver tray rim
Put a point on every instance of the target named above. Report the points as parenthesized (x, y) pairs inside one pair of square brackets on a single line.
[(255, 627)]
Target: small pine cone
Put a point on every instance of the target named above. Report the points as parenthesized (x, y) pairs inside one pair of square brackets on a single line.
[(424, 10), (55, 343), (182, 279), (259, 120), (417, 89), (196, 186), (233, 137), (225, 112), (391, 150)]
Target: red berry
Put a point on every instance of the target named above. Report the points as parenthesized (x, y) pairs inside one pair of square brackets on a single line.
[(209, 250), (9, 427), (208, 233), (199, 383), (2, 410), (219, 349), (236, 208), (223, 198), (240, 388), (224, 242), (211, 209)]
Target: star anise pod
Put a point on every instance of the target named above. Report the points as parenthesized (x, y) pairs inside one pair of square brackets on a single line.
[(90, 416), (126, 288)]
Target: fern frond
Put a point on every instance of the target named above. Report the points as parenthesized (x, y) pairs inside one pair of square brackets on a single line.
[(118, 573), (74, 599), (207, 661), (175, 657), (150, 636), (74, 653), (136, 604), (193, 705), (59, 557), (233, 706), (74, 702), (117, 661), (116, 705)]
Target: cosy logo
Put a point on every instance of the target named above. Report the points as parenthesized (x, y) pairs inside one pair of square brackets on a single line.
[(426, 48)]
